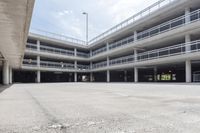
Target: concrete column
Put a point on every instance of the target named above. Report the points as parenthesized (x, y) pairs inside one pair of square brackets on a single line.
[(187, 40), (135, 54), (75, 65), (10, 75), (107, 46), (75, 52), (108, 76), (91, 77), (5, 72), (125, 76), (155, 73), (75, 77), (188, 71), (135, 35), (38, 79), (136, 74), (38, 61), (187, 15), (108, 61), (90, 53), (38, 45), (90, 65)]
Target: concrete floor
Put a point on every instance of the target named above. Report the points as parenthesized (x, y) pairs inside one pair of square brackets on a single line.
[(100, 108)]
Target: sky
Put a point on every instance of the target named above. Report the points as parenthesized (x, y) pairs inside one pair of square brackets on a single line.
[(65, 16)]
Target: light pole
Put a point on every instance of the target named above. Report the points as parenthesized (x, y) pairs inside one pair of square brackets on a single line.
[(86, 14)]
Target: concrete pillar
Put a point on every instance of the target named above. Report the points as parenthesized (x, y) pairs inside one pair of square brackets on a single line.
[(38, 45), (75, 77), (107, 46), (10, 76), (75, 65), (187, 15), (136, 74), (187, 40), (108, 76), (125, 76), (135, 54), (38, 61), (90, 53), (91, 77), (188, 71), (155, 73), (135, 35), (75, 52), (108, 61), (38, 79), (5, 72)]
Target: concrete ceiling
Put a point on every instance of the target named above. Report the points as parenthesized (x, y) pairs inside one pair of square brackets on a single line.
[(15, 17)]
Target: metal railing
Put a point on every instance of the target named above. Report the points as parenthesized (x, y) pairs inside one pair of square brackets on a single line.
[(31, 46), (169, 25), (98, 51), (99, 65), (30, 62), (179, 49), (83, 67), (122, 42), (61, 65), (54, 50), (82, 54), (57, 36), (122, 60), (158, 5)]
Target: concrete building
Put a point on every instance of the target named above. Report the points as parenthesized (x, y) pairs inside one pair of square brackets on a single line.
[(159, 44), (15, 17)]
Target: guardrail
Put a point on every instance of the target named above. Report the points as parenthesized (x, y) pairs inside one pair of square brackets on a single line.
[(83, 67), (60, 65), (98, 51), (158, 5), (81, 54), (30, 62), (57, 36), (122, 60), (56, 50), (100, 64), (31, 46)]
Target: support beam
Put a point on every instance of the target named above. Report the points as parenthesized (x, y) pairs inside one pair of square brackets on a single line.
[(10, 76), (5, 72), (107, 46), (125, 76), (75, 52), (38, 45), (108, 76), (187, 40), (135, 35), (38, 61), (188, 71), (155, 73), (38, 79), (108, 60), (75, 77), (136, 74), (187, 15), (91, 77), (135, 54)]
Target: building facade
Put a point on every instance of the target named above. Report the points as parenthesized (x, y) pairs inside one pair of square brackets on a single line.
[(159, 44)]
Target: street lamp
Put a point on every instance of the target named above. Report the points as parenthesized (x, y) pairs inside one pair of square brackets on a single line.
[(86, 14)]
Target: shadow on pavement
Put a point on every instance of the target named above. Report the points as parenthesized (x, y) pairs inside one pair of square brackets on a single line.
[(3, 88)]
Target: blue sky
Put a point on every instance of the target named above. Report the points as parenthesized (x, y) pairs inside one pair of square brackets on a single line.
[(65, 16)]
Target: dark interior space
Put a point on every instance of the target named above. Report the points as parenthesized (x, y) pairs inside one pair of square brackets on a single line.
[(24, 76), (56, 77), (100, 77)]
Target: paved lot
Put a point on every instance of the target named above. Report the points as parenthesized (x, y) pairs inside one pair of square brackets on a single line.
[(100, 108)]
